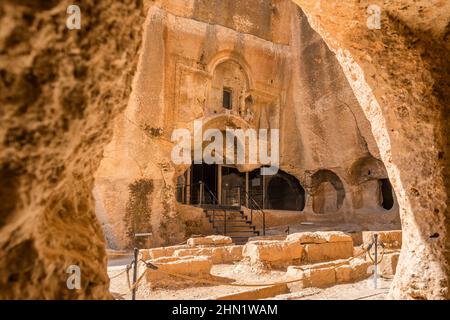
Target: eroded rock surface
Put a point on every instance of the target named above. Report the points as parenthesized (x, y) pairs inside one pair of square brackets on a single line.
[(399, 74), (59, 93)]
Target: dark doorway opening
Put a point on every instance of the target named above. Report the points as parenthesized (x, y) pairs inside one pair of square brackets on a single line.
[(207, 174), (284, 192), (233, 186), (227, 98), (387, 195)]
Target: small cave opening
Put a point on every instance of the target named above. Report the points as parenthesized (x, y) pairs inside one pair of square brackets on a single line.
[(284, 192), (329, 192), (386, 194)]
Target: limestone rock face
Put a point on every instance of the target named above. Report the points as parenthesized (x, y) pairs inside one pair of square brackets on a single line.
[(270, 57), (59, 93), (61, 90), (399, 74)]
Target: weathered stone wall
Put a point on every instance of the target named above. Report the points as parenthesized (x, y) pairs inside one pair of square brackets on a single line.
[(59, 93), (399, 74)]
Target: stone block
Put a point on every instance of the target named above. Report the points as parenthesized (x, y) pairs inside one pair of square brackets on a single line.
[(356, 270), (344, 274), (392, 239), (198, 266), (319, 237), (155, 253), (305, 237), (334, 236), (388, 265), (219, 255), (215, 240), (232, 253), (327, 251), (318, 277), (272, 252)]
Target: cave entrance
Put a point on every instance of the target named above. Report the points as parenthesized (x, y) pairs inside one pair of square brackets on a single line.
[(204, 184), (386, 194), (284, 192), (328, 192)]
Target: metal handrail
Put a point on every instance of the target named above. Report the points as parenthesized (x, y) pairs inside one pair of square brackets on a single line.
[(258, 208), (253, 204), (211, 193)]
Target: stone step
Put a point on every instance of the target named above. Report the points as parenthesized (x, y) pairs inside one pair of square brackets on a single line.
[(235, 227), (221, 222), (220, 207)]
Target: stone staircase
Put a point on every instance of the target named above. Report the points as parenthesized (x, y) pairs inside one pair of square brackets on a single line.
[(230, 221)]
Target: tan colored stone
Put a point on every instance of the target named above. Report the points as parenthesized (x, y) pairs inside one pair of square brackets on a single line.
[(192, 84), (334, 236), (50, 196), (306, 237), (193, 266), (233, 253), (59, 101), (328, 273), (327, 251), (313, 277), (156, 253), (344, 274), (356, 270), (391, 239), (319, 237), (356, 237), (219, 255), (388, 265), (272, 252), (214, 240), (412, 137)]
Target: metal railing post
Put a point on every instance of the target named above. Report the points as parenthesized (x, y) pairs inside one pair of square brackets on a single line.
[(240, 198), (135, 261), (375, 272), (201, 193), (264, 223), (224, 222)]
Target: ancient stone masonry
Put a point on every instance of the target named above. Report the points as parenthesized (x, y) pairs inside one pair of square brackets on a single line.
[(307, 259)]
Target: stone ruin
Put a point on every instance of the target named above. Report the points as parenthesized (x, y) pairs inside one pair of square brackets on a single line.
[(317, 259)]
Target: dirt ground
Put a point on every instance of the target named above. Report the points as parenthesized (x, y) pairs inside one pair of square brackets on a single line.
[(362, 290)]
